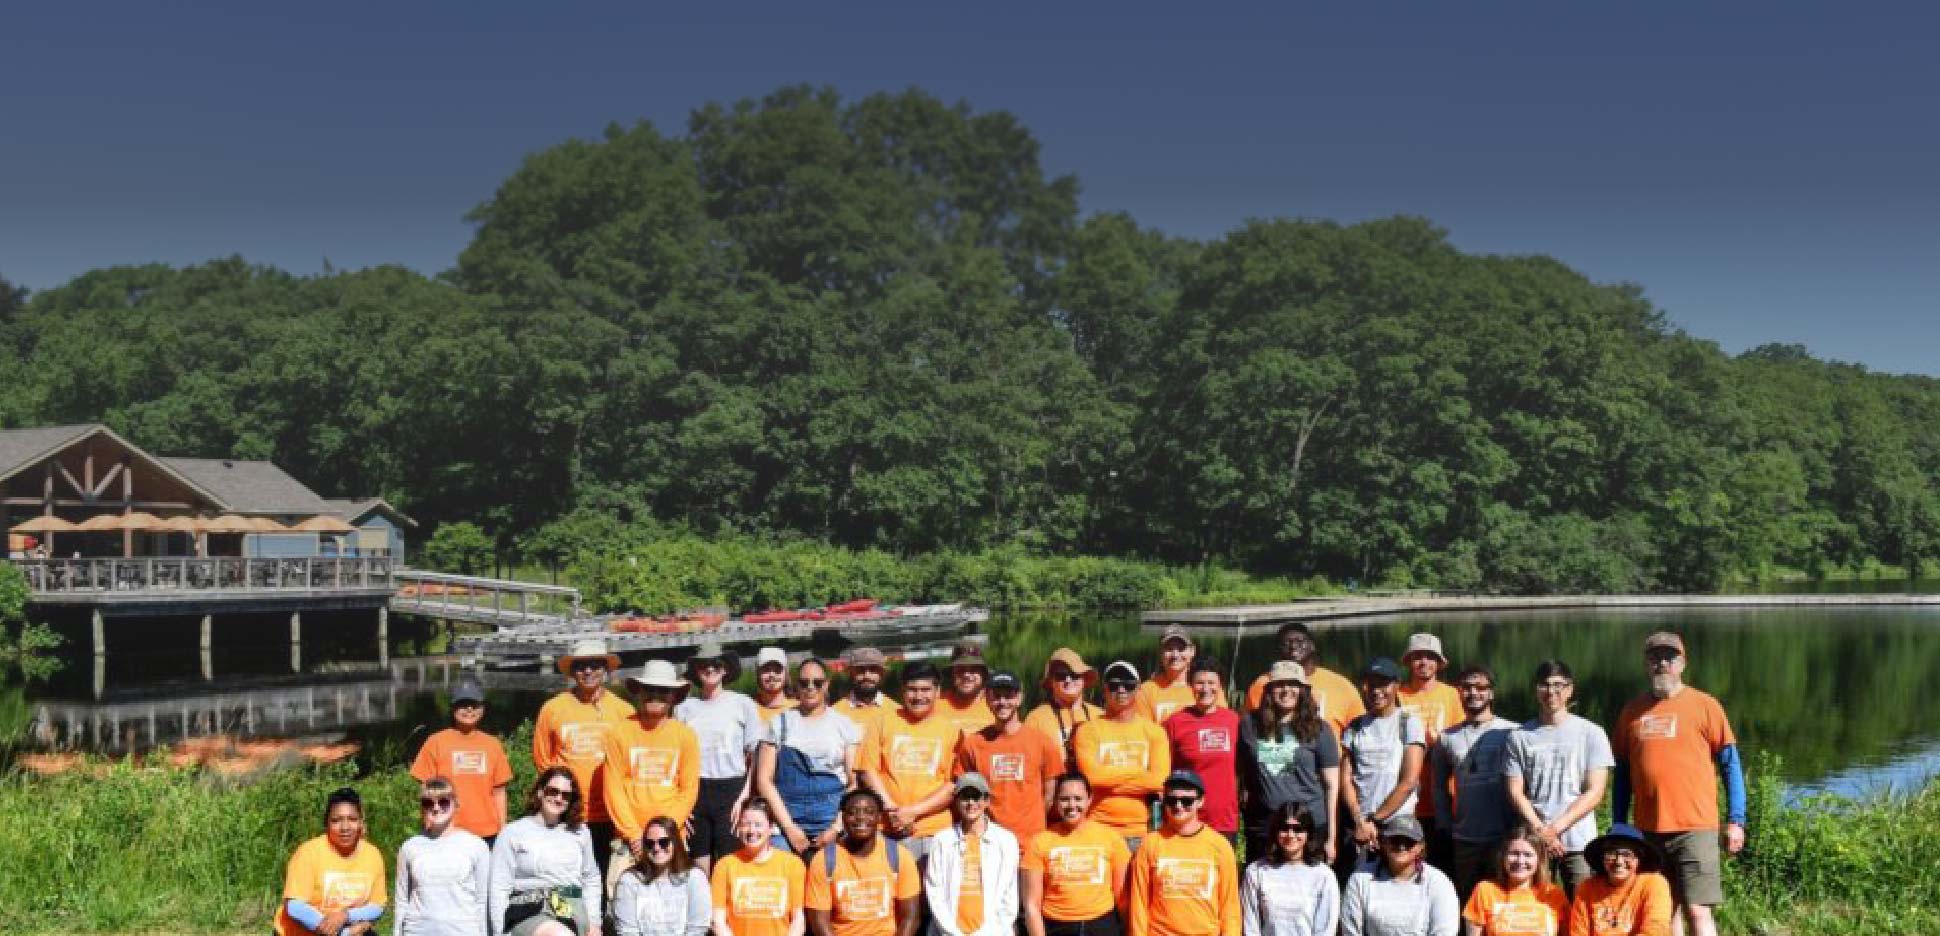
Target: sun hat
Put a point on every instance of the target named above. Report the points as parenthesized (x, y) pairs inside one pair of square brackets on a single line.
[(1649, 856), (658, 674), (711, 651), (1425, 643), (968, 653), (586, 650), (1287, 671), (1073, 662)]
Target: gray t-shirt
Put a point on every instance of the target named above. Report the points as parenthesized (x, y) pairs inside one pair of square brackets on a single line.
[(1552, 761), (529, 855), (1376, 745), (441, 885), (826, 740), (1472, 754), (666, 907), (1282, 770), (1291, 899), (1374, 904), (729, 727)]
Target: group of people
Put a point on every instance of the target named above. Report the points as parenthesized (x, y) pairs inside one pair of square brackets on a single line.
[(1395, 804)]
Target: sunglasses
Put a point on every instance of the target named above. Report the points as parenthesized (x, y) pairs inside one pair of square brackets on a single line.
[(581, 666), (970, 796), (1397, 842), (468, 703), (1177, 802), (553, 792), (812, 683), (1117, 685), (658, 844), (1294, 829), (1066, 677), (1661, 654), (440, 803)]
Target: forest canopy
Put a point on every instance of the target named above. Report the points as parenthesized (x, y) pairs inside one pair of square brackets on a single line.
[(879, 323)]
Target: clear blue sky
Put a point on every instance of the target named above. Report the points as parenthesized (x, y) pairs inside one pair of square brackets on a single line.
[(1766, 172)]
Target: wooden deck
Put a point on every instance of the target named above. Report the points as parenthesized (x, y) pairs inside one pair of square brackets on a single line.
[(1322, 610), (544, 643)]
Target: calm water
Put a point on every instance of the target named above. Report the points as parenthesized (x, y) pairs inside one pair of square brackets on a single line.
[(1841, 694)]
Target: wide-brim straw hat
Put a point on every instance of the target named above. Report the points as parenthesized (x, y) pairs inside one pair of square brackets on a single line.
[(714, 651), (587, 650), (658, 674), (1073, 662)]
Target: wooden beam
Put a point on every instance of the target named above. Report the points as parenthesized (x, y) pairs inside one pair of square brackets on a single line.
[(46, 491), (87, 472), (51, 503), (106, 480), (76, 485)]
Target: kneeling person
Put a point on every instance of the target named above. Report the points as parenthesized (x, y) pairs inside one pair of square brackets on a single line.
[(1184, 879), (862, 884)]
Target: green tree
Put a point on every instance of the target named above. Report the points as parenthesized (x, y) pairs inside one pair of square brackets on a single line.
[(458, 547)]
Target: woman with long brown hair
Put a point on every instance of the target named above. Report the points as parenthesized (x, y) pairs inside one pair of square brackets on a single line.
[(1288, 754), (545, 881), (663, 894)]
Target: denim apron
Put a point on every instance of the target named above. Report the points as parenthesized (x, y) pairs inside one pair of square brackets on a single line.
[(811, 796)]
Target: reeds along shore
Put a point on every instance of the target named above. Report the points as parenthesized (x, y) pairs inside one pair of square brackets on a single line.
[(134, 849)]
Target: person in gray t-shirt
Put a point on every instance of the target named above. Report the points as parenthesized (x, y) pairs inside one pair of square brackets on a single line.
[(1469, 757), (730, 730), (1556, 770), (1383, 751)]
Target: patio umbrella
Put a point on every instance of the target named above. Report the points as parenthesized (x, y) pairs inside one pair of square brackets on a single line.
[(101, 523), (187, 525), (44, 524), (142, 521), (324, 523), (229, 523), (266, 525)]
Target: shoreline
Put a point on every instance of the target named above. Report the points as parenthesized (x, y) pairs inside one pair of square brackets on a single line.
[(1340, 609)]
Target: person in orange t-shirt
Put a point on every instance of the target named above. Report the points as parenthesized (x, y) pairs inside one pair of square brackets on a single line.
[(472, 760), (1672, 744), (1518, 899), (854, 889), (1437, 705), (1169, 689), (963, 701), (1124, 756), (653, 763), (571, 732), (1021, 764), (1184, 881), (758, 891), (1074, 872), (334, 882), (1337, 698), (909, 763), (1066, 680), (1624, 896)]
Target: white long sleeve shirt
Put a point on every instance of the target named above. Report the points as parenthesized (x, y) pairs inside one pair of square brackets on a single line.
[(1375, 904), (528, 855), (441, 885), (1291, 899), (943, 878)]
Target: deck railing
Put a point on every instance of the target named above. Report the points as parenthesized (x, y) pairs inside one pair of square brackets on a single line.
[(185, 573)]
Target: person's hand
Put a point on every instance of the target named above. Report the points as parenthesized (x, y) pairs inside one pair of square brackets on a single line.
[(1734, 839), (797, 839), (333, 923), (1366, 834), (1330, 849), (1552, 842)]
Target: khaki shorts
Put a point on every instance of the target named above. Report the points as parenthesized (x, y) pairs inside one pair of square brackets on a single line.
[(1693, 865)]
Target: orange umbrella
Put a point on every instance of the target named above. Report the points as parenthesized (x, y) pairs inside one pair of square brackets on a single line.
[(101, 523), (229, 523), (266, 525), (44, 524), (180, 525), (143, 521), (324, 523)]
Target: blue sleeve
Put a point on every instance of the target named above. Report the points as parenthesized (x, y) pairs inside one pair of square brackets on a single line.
[(1620, 792), (1734, 784), (367, 913), (301, 911)]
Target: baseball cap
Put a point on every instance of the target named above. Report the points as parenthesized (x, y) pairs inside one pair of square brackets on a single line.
[(1287, 671), (1175, 632), (767, 655), (1185, 780), (1384, 668), (973, 781), (1120, 670), (1402, 826), (1005, 681), (467, 691), (1664, 639), (867, 656)]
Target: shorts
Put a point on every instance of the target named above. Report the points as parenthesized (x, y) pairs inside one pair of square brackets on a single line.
[(918, 847), (1106, 925), (1570, 870), (713, 818), (1693, 865), (526, 926)]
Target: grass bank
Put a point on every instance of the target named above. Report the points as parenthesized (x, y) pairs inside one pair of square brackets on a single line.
[(129, 850)]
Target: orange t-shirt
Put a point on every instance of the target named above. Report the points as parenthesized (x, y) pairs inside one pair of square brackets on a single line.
[(1080, 866), (1183, 885), (860, 897), (1338, 699), (1018, 767), (1672, 747), (1162, 695), (1438, 706), (651, 773), (572, 734), (768, 712), (913, 759), (970, 886), (867, 717), (1524, 911), (475, 764), (1126, 762), (973, 717), (760, 896), (1059, 723), (320, 877), (1641, 907)]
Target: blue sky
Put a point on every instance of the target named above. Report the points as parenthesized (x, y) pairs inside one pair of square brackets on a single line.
[(1766, 172)]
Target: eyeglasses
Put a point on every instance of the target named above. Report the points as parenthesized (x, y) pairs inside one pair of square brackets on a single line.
[(1181, 802), (663, 843), (1066, 677), (813, 683), (439, 803), (1616, 854), (553, 792), (1554, 685)]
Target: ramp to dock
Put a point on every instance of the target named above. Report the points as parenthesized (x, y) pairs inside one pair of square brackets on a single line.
[(1349, 608)]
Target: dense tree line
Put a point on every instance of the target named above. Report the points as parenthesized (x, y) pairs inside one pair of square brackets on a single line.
[(880, 324)]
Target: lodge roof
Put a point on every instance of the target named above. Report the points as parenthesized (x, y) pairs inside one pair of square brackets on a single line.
[(352, 508), (251, 487)]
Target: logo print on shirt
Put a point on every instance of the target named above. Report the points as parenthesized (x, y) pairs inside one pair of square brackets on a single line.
[(1133, 754), (1164, 710), (1429, 716), (1185, 879), (584, 740), (1215, 741), (1518, 919), (865, 899), (344, 889), (1656, 727), (468, 762), (761, 898), (1077, 864), (914, 756), (1007, 767), (653, 766)]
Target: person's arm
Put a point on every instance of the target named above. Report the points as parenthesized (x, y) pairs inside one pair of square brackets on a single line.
[(723, 898), (1440, 770), (1032, 884), (908, 914), (626, 909), (938, 801), (1331, 786), (401, 891), (765, 759), (754, 732), (1471, 928), (700, 905), (1444, 907), (1327, 904), (498, 892), (1734, 798), (591, 878), (1353, 905), (1158, 765), (1404, 785), (796, 925), (545, 747), (1229, 924), (687, 786), (908, 892), (1249, 900), (1579, 922), (940, 871), (1350, 794), (310, 918), (1656, 907), (617, 791), (1007, 856), (818, 921), (481, 880), (721, 927), (1138, 896), (1585, 803)]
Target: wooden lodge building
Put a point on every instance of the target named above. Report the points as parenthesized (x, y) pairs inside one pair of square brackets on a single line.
[(120, 544)]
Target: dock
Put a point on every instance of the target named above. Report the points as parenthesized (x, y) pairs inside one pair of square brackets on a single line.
[(1367, 609), (542, 643)]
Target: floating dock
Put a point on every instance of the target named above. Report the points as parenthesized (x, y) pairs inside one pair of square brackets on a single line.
[(1323, 610), (544, 643)]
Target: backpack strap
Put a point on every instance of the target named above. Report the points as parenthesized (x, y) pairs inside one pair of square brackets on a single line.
[(895, 857), (828, 860)]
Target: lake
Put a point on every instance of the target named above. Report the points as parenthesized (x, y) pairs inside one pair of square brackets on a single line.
[(1842, 695)]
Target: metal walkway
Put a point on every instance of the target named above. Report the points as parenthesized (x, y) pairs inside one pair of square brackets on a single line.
[(498, 602)]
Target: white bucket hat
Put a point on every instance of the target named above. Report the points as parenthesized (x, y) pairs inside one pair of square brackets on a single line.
[(658, 674), (1425, 643)]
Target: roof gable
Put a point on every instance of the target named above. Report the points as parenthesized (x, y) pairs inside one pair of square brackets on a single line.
[(257, 487), (21, 449)]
